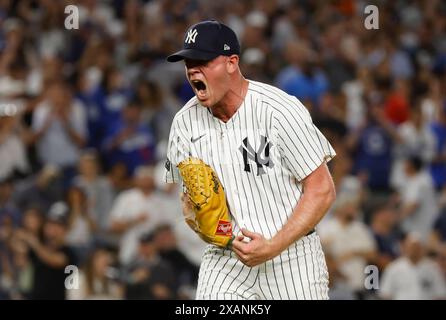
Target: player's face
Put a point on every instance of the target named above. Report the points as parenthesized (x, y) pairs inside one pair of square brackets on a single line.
[(209, 79)]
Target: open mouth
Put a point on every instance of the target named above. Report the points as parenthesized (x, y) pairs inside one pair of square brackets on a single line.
[(199, 85), (200, 88)]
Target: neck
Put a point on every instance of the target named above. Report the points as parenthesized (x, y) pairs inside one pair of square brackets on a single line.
[(418, 125), (90, 177), (414, 260), (232, 100), (146, 192), (343, 221), (381, 228), (411, 174)]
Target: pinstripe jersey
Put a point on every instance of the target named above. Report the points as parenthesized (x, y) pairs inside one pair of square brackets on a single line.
[(261, 154)]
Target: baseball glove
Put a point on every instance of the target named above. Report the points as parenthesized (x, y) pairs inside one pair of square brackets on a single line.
[(209, 214)]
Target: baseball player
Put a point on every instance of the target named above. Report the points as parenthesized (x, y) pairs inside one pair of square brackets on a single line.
[(271, 161)]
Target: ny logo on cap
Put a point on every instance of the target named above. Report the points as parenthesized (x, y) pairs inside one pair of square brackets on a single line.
[(191, 35)]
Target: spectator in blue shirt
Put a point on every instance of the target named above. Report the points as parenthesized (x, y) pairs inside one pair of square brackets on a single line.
[(129, 140), (372, 145), (384, 221), (8, 209), (109, 99), (302, 79), (438, 166), (309, 85)]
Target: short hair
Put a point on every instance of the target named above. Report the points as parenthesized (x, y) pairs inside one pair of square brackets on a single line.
[(147, 237), (162, 227), (90, 154), (135, 102), (415, 162)]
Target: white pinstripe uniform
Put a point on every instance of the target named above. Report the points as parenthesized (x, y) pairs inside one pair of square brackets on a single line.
[(260, 155)]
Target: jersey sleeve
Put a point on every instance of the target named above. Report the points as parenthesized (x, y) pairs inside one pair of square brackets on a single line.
[(177, 151), (302, 146)]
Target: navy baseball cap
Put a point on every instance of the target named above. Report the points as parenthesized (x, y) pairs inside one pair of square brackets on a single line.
[(207, 40)]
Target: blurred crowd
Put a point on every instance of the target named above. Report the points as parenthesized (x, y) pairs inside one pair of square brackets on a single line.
[(85, 116)]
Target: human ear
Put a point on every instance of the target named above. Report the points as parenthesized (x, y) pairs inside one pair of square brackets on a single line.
[(232, 63)]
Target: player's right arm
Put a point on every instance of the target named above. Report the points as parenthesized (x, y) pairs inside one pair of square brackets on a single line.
[(178, 149), (318, 196), (304, 151)]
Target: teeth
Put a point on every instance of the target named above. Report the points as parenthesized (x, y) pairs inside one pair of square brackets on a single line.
[(198, 84)]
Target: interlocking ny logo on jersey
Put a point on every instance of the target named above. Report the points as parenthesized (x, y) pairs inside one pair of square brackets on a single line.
[(191, 35), (250, 154)]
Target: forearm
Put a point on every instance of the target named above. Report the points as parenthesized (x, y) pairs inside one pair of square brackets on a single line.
[(407, 210), (310, 209), (91, 223), (74, 136), (93, 226), (119, 227), (54, 259), (316, 200), (122, 226), (35, 136)]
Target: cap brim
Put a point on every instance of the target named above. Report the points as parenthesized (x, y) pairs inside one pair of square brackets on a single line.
[(191, 54)]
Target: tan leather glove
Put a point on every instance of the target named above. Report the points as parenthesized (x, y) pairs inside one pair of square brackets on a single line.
[(209, 215)]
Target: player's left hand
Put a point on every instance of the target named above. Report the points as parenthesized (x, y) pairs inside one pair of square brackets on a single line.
[(254, 252)]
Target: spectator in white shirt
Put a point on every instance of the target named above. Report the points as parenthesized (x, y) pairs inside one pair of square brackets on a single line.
[(97, 279), (413, 276), (441, 259), (13, 156), (418, 207), (98, 189), (136, 212), (60, 128), (81, 225), (415, 137), (349, 242)]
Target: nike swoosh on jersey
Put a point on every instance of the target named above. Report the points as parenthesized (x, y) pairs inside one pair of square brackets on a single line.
[(193, 140)]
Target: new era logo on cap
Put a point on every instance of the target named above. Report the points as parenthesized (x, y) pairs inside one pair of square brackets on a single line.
[(226, 47)]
